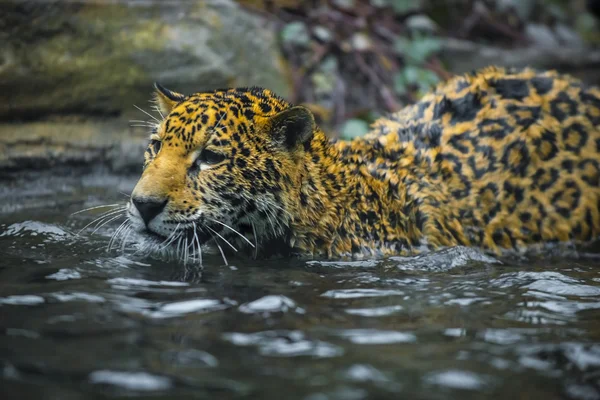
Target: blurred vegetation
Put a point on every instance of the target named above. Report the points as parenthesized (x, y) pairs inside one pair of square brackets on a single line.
[(353, 60)]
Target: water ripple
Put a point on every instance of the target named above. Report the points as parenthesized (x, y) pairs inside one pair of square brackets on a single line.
[(78, 321), (344, 264), (191, 357), (22, 300), (583, 356), (374, 336), (139, 381), (359, 292), (284, 344), (34, 228), (64, 274), (502, 336), (78, 296), (375, 311), (557, 287), (465, 301), (186, 307), (443, 260), (565, 308), (272, 303), (365, 373), (128, 283), (522, 278), (456, 379)]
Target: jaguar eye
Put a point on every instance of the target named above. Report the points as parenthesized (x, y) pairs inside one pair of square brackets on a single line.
[(209, 157), (156, 145)]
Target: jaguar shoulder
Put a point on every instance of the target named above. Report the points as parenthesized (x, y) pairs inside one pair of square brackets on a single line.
[(497, 159)]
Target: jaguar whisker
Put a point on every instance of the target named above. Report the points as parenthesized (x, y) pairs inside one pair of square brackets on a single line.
[(106, 222), (95, 208), (225, 240), (147, 113), (220, 249), (233, 230)]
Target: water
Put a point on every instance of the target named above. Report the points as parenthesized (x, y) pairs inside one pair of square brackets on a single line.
[(78, 322)]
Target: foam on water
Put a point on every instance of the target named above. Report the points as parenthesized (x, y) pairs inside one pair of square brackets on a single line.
[(34, 228)]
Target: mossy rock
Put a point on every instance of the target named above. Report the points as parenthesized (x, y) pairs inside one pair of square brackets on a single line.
[(100, 58)]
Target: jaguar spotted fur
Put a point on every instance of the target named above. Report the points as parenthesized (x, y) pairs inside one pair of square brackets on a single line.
[(497, 159)]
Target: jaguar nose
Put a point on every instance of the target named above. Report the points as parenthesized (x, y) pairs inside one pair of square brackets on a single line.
[(148, 207)]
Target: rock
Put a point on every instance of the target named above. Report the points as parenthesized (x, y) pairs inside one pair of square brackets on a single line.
[(85, 145), (99, 58), (541, 36), (463, 56), (568, 36)]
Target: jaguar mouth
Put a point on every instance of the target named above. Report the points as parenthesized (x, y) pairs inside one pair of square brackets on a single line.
[(185, 244), (190, 242), (189, 235)]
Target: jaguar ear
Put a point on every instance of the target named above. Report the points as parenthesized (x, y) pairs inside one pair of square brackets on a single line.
[(167, 99), (293, 126)]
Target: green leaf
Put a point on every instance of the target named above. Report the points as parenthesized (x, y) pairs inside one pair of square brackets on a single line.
[(413, 76), (400, 83), (354, 128), (427, 79), (403, 6), (419, 49), (295, 33)]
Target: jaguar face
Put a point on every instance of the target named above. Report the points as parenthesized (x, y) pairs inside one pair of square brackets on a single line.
[(221, 170)]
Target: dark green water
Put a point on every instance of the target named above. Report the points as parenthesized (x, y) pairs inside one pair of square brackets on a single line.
[(77, 322)]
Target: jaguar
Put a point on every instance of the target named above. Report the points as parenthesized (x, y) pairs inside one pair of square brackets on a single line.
[(499, 159)]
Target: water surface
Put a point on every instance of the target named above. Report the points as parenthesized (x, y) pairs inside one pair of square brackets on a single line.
[(80, 322)]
